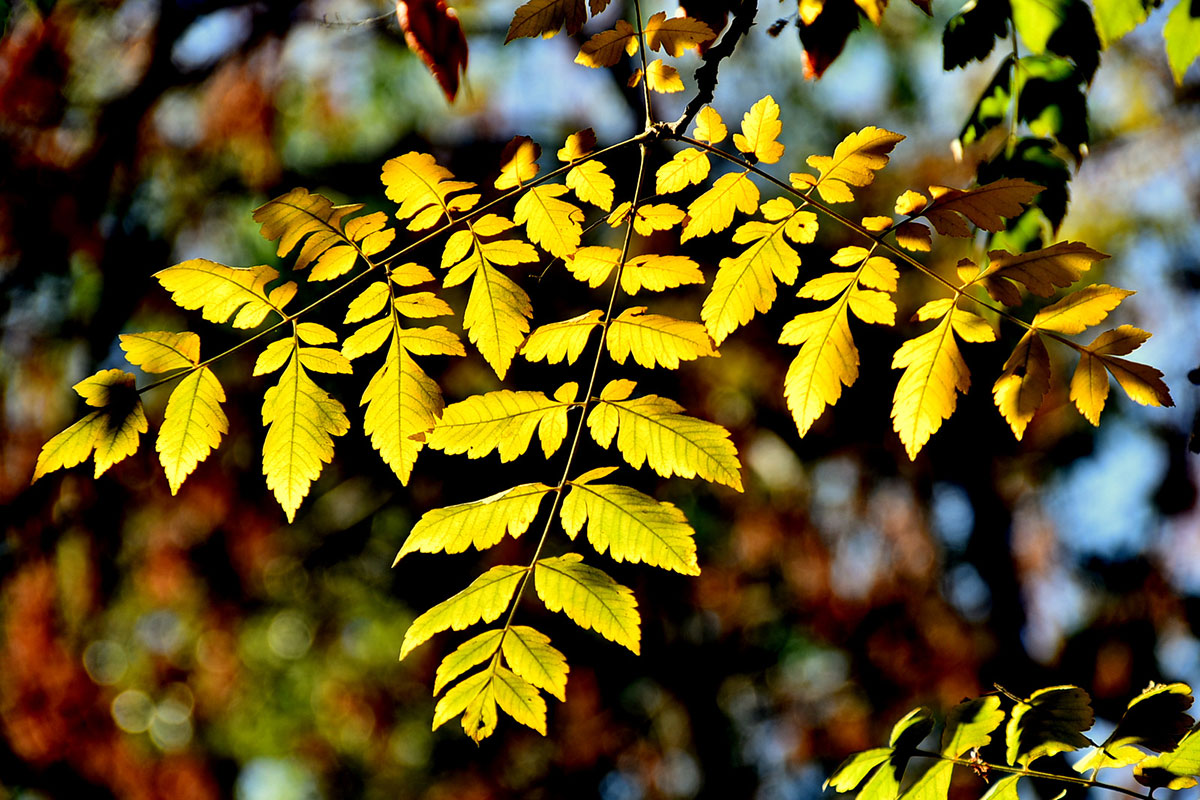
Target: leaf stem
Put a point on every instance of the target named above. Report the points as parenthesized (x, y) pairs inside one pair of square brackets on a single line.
[(1032, 773)]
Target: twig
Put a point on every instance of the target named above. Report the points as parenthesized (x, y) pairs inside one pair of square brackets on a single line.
[(706, 74)]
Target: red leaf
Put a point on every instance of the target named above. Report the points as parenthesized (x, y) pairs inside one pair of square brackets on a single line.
[(432, 30)]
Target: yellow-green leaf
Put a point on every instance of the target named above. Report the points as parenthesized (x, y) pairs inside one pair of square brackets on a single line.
[(456, 700), (760, 131), (631, 526), (657, 340), (192, 427), (519, 699), (1051, 721), (1080, 310), (591, 598), (559, 340), (1024, 382), (531, 656), (854, 162), (221, 292), (161, 351), (687, 167), (484, 600), (497, 313), (470, 653), (480, 524), (403, 404), (712, 211), (553, 224), (934, 371), (1156, 719), (651, 430), (303, 420), (827, 360), (503, 421), (1176, 769), (970, 724)]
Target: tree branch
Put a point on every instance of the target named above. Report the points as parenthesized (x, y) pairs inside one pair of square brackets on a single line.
[(706, 74)]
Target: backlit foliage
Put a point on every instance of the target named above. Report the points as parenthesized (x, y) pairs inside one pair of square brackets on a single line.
[(488, 234), (1155, 736)]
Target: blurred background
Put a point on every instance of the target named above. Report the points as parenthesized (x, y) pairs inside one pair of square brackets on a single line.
[(197, 646)]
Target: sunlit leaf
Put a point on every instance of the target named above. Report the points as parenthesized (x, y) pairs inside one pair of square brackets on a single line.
[(1156, 719), (503, 421), (591, 598), (970, 725), (656, 273), (1024, 382), (1182, 35), (712, 211), (827, 361), (192, 427), (934, 371), (519, 699), (685, 168), (709, 127), (1040, 271), (480, 524), (422, 187), (854, 163), (675, 34), (663, 78), (985, 206), (470, 653), (558, 340), (221, 292), (760, 131), (553, 224), (498, 310), (657, 340), (110, 434), (161, 351), (592, 184), (531, 656), (483, 601), (518, 163), (545, 18), (1051, 721), (606, 48)]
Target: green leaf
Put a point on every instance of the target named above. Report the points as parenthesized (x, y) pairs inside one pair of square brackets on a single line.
[(1182, 34), (1176, 769), (479, 524), (1003, 789), (1155, 720), (1115, 18), (590, 598), (471, 652), (483, 601), (1051, 721), (932, 784), (630, 525), (972, 32), (851, 772), (531, 656)]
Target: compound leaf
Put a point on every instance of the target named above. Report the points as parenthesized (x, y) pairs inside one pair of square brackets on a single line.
[(591, 598)]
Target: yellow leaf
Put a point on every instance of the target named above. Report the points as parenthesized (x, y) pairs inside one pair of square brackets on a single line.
[(221, 292), (1080, 310), (314, 333), (934, 370), (876, 224), (760, 131), (480, 524), (435, 340), (709, 127), (370, 232), (854, 163), (656, 273), (410, 274), (577, 146), (497, 313), (827, 360), (1041, 271), (367, 339), (274, 356), (651, 430), (879, 273), (325, 359), (368, 303), (712, 211), (530, 655), (657, 340), (1142, 383), (985, 206), (161, 351), (876, 308), (1024, 382), (1120, 341), (457, 700), (914, 236), (631, 526), (684, 169), (910, 202), (592, 265), (520, 700), (503, 421), (934, 309), (972, 327), (111, 434), (301, 216), (592, 184), (590, 598), (403, 403), (192, 427), (509, 252), (483, 601), (518, 163), (810, 10), (303, 420), (422, 305), (663, 78), (422, 188), (559, 340), (470, 653), (656, 217), (1089, 387), (873, 9), (606, 48), (746, 284), (545, 18), (826, 287), (555, 225), (480, 717), (676, 34)]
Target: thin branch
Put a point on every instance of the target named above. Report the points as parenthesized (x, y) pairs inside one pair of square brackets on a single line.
[(706, 74)]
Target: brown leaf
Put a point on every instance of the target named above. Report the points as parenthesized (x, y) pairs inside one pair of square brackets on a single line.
[(432, 31), (826, 35), (546, 17)]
